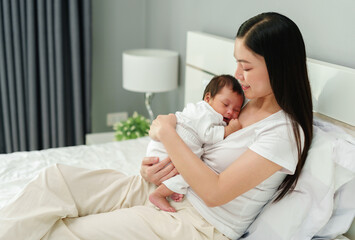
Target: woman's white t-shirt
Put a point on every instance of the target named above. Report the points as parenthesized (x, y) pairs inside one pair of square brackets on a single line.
[(271, 138)]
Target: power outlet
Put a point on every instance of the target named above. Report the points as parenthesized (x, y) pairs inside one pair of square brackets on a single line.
[(112, 118)]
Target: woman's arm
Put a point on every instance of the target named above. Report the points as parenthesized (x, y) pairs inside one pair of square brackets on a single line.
[(156, 172), (249, 170)]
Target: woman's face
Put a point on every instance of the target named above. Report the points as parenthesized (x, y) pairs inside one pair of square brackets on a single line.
[(251, 72)]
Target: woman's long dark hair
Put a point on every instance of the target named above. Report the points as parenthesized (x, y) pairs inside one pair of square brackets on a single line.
[(279, 41)]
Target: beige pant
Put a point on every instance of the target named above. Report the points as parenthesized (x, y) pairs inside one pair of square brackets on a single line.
[(64, 202)]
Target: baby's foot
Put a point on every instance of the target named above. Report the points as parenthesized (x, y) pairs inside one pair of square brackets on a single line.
[(177, 197), (161, 203)]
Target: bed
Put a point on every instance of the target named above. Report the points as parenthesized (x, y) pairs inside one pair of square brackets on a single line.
[(325, 191)]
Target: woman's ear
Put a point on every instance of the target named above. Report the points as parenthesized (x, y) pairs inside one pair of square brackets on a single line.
[(207, 97)]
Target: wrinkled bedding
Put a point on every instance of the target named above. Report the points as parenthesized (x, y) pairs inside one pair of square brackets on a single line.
[(17, 169)]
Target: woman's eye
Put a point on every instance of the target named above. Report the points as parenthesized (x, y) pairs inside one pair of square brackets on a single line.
[(246, 70)]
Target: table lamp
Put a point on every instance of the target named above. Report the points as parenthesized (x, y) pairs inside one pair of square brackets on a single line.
[(150, 71)]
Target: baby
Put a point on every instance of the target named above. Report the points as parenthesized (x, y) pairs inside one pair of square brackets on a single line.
[(206, 122)]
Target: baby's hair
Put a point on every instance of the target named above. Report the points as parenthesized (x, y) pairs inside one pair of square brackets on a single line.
[(220, 81)]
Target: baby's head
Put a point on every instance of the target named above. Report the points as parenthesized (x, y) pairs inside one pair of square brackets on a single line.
[(225, 95)]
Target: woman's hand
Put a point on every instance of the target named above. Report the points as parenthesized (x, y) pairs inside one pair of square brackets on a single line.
[(156, 172), (161, 125)]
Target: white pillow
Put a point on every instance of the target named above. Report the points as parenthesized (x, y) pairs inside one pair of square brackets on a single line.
[(322, 203), (302, 213), (344, 204), (343, 212)]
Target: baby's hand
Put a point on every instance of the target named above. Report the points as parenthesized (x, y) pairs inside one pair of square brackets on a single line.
[(234, 125)]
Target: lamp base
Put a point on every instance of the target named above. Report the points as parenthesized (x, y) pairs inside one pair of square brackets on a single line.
[(148, 100)]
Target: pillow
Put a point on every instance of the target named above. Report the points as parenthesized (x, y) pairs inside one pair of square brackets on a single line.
[(344, 204), (343, 213), (308, 210)]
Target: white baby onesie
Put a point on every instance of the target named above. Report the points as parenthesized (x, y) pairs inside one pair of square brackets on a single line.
[(198, 124)]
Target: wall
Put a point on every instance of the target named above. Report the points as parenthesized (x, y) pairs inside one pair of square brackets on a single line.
[(327, 27), (117, 26)]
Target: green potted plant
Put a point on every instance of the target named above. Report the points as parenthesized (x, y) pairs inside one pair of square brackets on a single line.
[(134, 127)]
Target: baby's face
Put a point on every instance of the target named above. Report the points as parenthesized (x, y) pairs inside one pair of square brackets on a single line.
[(226, 102)]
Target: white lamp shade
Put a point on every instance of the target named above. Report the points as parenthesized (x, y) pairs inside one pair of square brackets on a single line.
[(150, 70)]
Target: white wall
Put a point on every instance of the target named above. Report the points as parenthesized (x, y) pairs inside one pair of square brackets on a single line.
[(327, 27), (118, 25)]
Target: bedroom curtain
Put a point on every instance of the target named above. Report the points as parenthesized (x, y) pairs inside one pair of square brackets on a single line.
[(45, 73)]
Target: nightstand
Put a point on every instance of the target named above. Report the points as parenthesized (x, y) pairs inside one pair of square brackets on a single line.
[(97, 138)]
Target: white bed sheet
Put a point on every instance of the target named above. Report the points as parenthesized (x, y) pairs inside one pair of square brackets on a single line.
[(17, 169)]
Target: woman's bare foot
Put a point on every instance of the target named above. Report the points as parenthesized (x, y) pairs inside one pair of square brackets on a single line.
[(161, 203)]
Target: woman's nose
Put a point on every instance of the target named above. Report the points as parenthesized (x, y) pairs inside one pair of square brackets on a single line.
[(238, 74)]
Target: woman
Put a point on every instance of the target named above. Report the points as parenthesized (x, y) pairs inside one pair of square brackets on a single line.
[(249, 166)]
